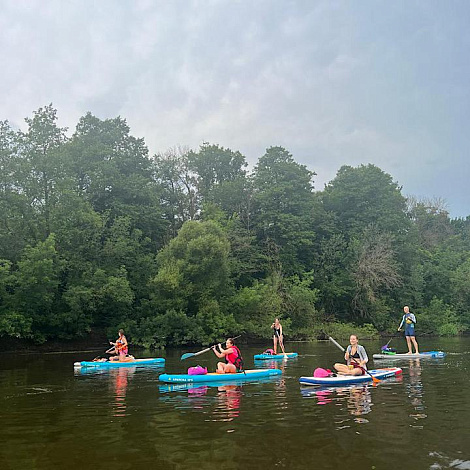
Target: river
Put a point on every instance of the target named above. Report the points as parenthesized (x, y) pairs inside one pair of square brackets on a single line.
[(53, 417)]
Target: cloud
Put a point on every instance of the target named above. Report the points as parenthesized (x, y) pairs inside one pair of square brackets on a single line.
[(334, 82)]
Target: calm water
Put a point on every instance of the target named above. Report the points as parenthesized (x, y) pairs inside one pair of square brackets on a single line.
[(53, 418)]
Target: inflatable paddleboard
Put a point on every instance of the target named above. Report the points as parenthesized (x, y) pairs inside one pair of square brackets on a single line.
[(253, 374), (424, 355), (111, 364), (262, 357), (351, 379)]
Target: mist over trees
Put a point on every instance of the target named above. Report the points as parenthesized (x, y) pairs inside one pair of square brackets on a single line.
[(189, 246)]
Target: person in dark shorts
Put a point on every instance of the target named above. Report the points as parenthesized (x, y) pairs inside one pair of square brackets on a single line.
[(409, 320)]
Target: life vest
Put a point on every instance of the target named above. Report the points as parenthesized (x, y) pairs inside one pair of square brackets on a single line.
[(235, 358), (121, 346)]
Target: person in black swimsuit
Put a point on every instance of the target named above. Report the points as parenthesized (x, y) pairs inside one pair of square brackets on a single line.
[(277, 335)]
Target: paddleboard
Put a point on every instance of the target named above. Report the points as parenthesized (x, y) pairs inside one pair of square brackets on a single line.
[(253, 374), (111, 364), (351, 379), (262, 357), (424, 355)]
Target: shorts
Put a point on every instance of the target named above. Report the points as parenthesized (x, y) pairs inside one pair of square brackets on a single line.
[(356, 366), (410, 330)]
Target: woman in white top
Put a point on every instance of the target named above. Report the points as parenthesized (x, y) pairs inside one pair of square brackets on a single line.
[(356, 359)]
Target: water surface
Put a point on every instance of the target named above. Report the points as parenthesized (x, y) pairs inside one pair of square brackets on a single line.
[(55, 418)]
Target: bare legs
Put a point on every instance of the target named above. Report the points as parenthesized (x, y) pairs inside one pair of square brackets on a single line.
[(409, 340), (223, 368), (275, 341), (415, 344), (345, 370)]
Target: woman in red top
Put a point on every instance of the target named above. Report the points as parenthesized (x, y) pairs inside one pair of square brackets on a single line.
[(120, 347), (232, 357)]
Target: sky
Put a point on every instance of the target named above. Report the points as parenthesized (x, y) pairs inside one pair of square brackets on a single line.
[(335, 82)]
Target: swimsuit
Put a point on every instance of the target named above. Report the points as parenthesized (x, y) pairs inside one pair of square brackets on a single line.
[(354, 363)]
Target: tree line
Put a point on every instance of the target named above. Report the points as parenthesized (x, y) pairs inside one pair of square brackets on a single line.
[(189, 246)]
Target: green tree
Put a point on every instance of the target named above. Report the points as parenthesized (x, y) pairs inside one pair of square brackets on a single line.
[(42, 167), (193, 277), (37, 282), (366, 195), (282, 204), (213, 166), (112, 170)]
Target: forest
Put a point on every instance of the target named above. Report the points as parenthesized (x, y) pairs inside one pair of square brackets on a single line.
[(190, 246)]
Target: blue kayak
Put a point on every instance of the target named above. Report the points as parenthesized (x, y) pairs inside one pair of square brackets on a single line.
[(153, 361), (351, 379), (262, 357), (423, 355), (253, 374)]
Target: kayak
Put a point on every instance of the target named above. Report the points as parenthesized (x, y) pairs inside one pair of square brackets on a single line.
[(424, 355), (152, 361), (263, 356), (253, 374), (351, 379)]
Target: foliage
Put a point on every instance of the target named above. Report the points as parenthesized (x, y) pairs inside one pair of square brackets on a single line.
[(439, 319), (188, 246), (342, 331)]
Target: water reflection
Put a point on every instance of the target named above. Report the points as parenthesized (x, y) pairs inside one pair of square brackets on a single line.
[(119, 382), (224, 403), (359, 401), (415, 390), (443, 461), (228, 403), (358, 398)]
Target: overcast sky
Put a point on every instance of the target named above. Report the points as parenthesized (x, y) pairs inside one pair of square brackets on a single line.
[(335, 82)]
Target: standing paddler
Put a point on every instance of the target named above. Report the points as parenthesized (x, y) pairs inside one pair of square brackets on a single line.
[(409, 320)]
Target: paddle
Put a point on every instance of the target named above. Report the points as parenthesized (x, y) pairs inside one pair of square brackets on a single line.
[(280, 343), (186, 355), (385, 349), (106, 352), (375, 380)]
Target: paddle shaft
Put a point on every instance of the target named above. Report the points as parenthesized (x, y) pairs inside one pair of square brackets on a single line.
[(106, 352), (187, 355)]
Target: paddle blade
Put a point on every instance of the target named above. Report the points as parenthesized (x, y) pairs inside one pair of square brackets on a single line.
[(186, 355)]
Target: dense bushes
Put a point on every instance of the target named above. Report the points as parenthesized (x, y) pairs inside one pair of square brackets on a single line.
[(188, 247)]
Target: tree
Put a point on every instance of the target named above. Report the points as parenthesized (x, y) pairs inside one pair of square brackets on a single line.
[(282, 203), (431, 219), (375, 273), (366, 195), (112, 170), (193, 277), (214, 165), (42, 165), (16, 214), (178, 198), (197, 263), (37, 283)]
